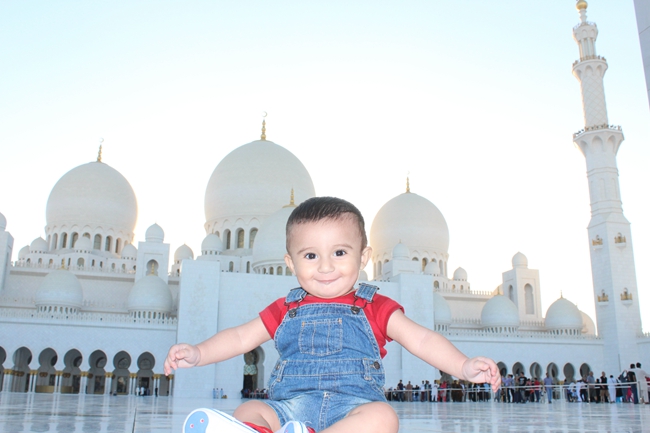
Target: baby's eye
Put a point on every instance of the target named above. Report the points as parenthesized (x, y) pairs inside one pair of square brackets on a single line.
[(310, 256), (340, 253)]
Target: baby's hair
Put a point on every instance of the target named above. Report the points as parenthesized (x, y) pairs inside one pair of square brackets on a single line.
[(321, 208)]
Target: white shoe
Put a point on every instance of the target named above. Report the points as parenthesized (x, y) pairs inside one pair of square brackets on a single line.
[(206, 420)]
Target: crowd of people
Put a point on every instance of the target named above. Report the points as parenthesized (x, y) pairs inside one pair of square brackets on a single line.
[(631, 386)]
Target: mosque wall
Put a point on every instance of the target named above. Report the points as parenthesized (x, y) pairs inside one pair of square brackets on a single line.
[(86, 337)]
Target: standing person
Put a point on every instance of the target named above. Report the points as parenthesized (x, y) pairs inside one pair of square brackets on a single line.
[(329, 374), (631, 379), (521, 388), (409, 391), (604, 389), (591, 387), (548, 387), (434, 392), (643, 383), (510, 388), (538, 387), (611, 388), (400, 390)]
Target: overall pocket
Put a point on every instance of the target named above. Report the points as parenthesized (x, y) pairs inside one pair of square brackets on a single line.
[(321, 337)]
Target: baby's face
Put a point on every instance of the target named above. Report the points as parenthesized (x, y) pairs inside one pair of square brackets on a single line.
[(326, 256)]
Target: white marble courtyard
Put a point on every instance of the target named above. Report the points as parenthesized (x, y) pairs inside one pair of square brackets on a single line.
[(97, 413)]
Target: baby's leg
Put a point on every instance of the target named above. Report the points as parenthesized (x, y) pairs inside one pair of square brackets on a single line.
[(258, 413), (375, 417)]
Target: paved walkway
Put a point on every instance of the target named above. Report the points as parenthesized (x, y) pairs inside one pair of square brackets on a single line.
[(91, 413)]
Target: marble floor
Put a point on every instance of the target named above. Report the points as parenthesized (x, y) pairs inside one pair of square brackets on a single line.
[(90, 413)]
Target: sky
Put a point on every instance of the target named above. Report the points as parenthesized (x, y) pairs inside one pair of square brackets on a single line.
[(474, 100)]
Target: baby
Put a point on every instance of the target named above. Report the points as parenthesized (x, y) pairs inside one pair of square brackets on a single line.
[(330, 337)]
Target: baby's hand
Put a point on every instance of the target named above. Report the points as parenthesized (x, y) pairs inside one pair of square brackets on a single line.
[(181, 356), (482, 370)]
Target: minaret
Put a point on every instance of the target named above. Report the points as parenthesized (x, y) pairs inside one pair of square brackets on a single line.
[(610, 239)]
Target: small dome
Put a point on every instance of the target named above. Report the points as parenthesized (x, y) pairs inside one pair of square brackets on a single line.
[(441, 309), (412, 220), (271, 240), (154, 233), (60, 288), (519, 261), (563, 314), (363, 276), (212, 242), (499, 311), (150, 293), (22, 254), (83, 244), (401, 251), (3, 222), (460, 274), (129, 252), (588, 326), (432, 268), (38, 245), (183, 252), (582, 4)]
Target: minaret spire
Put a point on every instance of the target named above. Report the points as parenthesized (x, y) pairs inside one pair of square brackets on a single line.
[(610, 239)]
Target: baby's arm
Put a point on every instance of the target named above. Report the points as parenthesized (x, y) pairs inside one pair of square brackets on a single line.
[(221, 346), (440, 352)]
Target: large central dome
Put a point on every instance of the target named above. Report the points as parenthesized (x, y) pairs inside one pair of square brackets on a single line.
[(255, 180), (93, 195), (412, 220)]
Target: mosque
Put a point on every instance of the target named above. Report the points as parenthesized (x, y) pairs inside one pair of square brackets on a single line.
[(85, 310)]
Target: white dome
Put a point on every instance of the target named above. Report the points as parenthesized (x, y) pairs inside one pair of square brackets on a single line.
[(83, 244), (271, 240), (588, 326), (401, 251), (254, 181), (363, 276), (563, 314), (129, 252), (460, 274), (150, 293), (38, 245), (432, 268), (60, 288), (94, 195), (519, 261), (3, 222), (22, 254), (499, 311), (442, 312), (212, 242), (183, 252), (154, 233), (412, 220)]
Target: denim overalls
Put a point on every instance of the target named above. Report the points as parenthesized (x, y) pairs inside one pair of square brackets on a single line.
[(329, 361)]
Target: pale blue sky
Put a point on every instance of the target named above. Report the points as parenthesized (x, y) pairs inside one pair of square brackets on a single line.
[(474, 98)]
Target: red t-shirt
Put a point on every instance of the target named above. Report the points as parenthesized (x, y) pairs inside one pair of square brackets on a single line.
[(377, 312)]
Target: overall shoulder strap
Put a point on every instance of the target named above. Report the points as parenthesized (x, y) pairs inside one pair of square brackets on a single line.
[(295, 295), (366, 291)]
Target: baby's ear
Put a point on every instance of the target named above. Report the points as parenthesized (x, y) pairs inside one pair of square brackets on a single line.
[(365, 257), (289, 262)]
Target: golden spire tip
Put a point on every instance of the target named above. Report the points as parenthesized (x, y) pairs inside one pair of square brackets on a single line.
[(99, 154)]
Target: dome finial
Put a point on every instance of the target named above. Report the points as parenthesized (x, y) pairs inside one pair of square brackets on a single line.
[(153, 269), (581, 4), (264, 126), (408, 184), (292, 202), (99, 154)]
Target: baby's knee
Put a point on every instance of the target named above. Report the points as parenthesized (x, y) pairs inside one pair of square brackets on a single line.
[(380, 415)]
